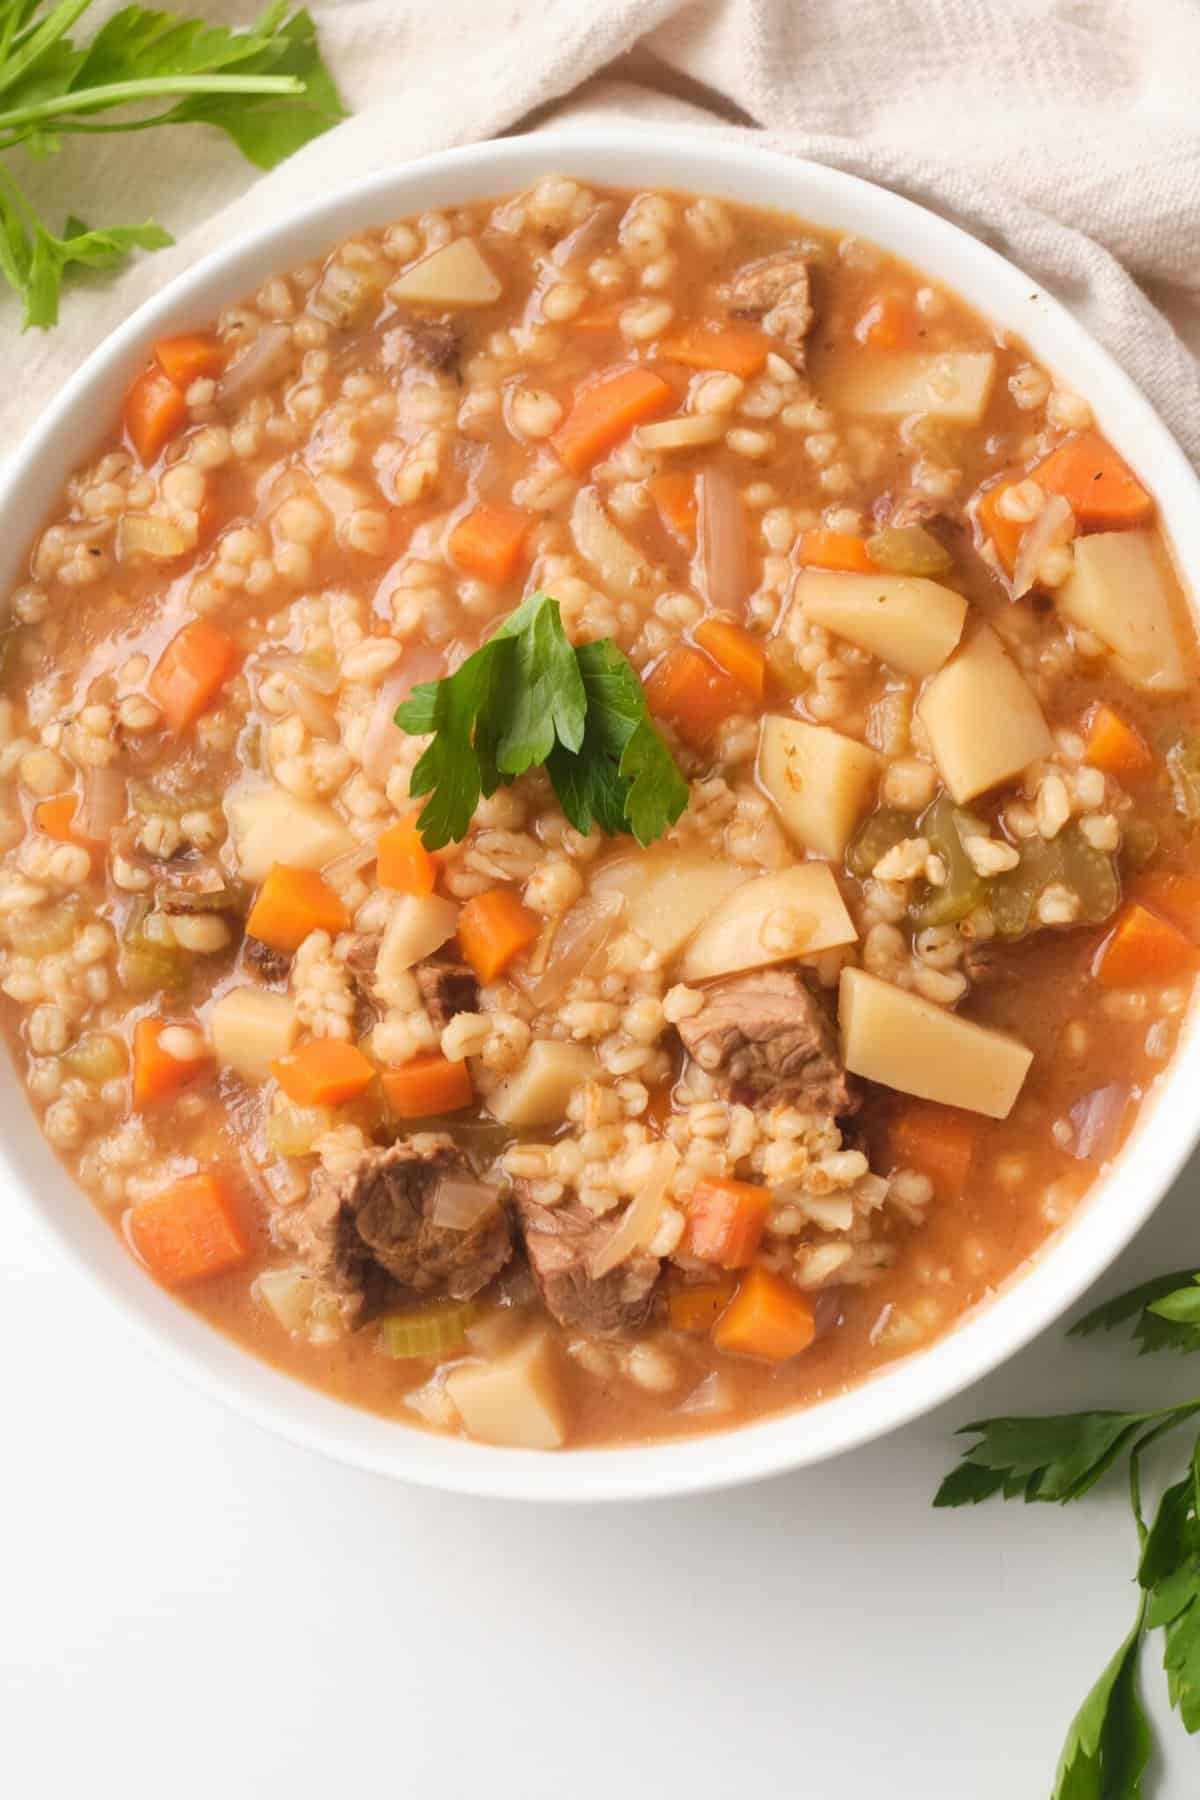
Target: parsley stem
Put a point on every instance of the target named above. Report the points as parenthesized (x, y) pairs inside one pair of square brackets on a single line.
[(121, 93), (34, 42)]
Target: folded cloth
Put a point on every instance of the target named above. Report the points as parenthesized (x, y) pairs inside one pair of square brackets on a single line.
[(1061, 132)]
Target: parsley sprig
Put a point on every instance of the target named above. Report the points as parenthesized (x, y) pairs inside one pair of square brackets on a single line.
[(527, 699), (1060, 1458), (265, 87)]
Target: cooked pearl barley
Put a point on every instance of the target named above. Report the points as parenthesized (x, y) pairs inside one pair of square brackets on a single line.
[(182, 1043), (642, 320), (204, 933), (531, 412)]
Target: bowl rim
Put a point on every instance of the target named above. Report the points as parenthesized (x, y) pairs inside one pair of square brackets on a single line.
[(1119, 1201)]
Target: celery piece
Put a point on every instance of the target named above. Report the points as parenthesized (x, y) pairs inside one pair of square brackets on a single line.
[(97, 1057), (426, 1330), (875, 837), (946, 825), (792, 677), (1139, 841), (908, 550), (1015, 893), (149, 966), (293, 1130), (1092, 874)]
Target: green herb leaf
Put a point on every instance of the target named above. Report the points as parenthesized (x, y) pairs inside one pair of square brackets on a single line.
[(545, 702), (452, 769), (1108, 1744), (1169, 1573), (1058, 1457), (1153, 1330)]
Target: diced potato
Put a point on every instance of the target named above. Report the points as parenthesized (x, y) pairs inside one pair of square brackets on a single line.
[(770, 920), (516, 1399), (454, 276), (252, 1028), (620, 565), (669, 891), (419, 925), (909, 622), (537, 1093), (949, 384), (821, 782), (1120, 591), (982, 719), (894, 1037), (269, 825), (289, 1294)]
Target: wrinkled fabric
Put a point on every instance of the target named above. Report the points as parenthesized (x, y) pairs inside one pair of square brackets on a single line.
[(1061, 131)]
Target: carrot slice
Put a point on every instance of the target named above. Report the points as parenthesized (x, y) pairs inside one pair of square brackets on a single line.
[(156, 1072), (735, 349), (698, 1308), (1144, 949), (189, 1232), (605, 411), (428, 1085), (938, 1142), (1004, 533), (401, 860), (323, 1072), (1116, 746), (674, 495), (1174, 897), (823, 549), (489, 541), (1103, 491), (767, 1317), (493, 928), (290, 904), (56, 817), (738, 653), (726, 1220), (154, 411), (889, 323), (689, 689), (191, 671), (193, 354)]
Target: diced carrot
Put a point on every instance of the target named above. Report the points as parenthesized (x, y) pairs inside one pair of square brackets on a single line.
[(188, 1232), (290, 904), (688, 688), (606, 410), (1004, 533), (1173, 897), (823, 549), (698, 1308), (601, 315), (186, 358), (1116, 746), (323, 1072), (767, 1317), (56, 817), (1144, 949), (735, 349), (401, 860), (725, 1221), (738, 653), (493, 928), (154, 411), (888, 324), (938, 1141), (191, 671), (428, 1085), (1103, 492), (674, 495), (489, 541), (156, 1072)]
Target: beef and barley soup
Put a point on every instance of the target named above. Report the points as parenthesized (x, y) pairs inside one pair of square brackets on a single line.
[(598, 815)]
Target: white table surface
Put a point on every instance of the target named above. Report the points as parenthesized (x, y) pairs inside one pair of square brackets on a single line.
[(190, 1609)]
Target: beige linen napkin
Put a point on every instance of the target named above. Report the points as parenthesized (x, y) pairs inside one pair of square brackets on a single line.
[(1062, 131)]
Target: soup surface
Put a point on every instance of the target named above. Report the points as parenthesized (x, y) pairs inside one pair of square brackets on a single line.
[(748, 980)]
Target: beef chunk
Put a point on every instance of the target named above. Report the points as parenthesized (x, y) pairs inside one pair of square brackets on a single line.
[(369, 1230), (775, 290), (360, 962), (768, 1036), (261, 960), (560, 1242), (435, 343), (446, 988)]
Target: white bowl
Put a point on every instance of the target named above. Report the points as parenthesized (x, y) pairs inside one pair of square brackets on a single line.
[(1117, 1206)]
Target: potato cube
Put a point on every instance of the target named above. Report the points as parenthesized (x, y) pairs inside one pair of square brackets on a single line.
[(982, 719), (950, 384), (269, 825), (538, 1091), (419, 925), (669, 890), (821, 782), (894, 1037), (1120, 591), (515, 1399), (456, 275), (909, 622), (251, 1028), (771, 919)]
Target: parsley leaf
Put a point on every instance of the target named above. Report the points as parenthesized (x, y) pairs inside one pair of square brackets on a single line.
[(1155, 1328), (1058, 1457), (1169, 1573), (526, 699), (1108, 1744), (264, 86)]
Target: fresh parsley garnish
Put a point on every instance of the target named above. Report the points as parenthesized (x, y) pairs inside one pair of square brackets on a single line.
[(265, 87), (1059, 1458), (527, 699)]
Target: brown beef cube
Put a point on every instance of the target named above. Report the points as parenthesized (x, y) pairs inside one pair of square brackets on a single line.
[(768, 1036), (560, 1242)]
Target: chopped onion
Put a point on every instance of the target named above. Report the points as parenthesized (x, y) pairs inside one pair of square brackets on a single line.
[(381, 744), (459, 1205), (344, 867), (268, 357), (711, 1395), (721, 530), (1097, 1121), (321, 681), (579, 242), (827, 1309), (1053, 525), (640, 1219), (622, 568), (582, 934), (102, 807)]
